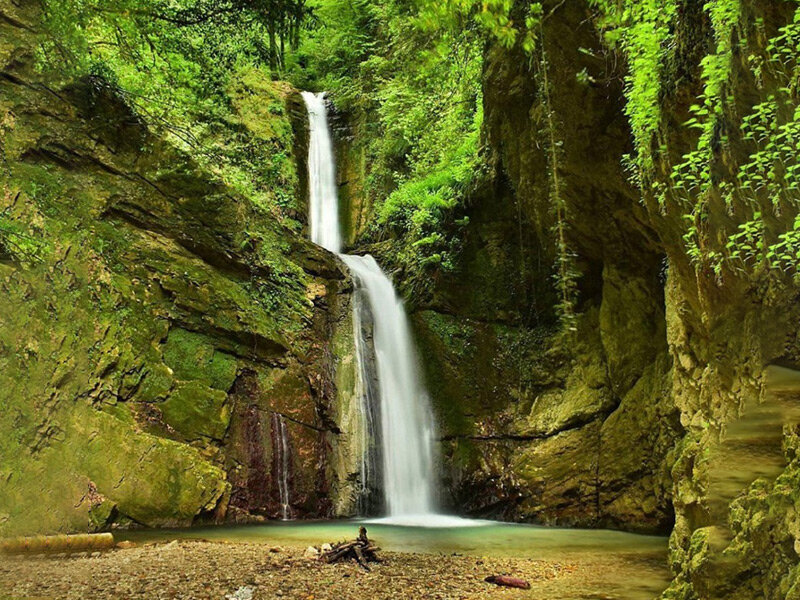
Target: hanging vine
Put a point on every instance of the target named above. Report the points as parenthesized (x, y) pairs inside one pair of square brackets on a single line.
[(762, 191), (760, 194), (566, 274)]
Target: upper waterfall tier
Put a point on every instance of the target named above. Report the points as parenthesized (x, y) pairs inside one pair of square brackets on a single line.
[(324, 204)]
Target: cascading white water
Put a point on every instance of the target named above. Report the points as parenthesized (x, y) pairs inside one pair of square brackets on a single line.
[(281, 460), (406, 420), (406, 431), (324, 202), (366, 438)]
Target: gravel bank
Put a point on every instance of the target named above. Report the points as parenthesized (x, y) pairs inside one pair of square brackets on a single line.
[(246, 571)]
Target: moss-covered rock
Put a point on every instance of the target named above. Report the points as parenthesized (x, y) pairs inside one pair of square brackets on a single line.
[(157, 288), (154, 481), (196, 410)]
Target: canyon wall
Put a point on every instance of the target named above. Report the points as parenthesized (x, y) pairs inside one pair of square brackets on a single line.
[(166, 341), (668, 401), (569, 428), (161, 334)]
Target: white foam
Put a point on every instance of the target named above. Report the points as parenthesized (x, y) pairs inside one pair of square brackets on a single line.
[(430, 521)]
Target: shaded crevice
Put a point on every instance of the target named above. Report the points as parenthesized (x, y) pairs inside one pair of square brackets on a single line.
[(220, 260), (15, 22), (580, 424)]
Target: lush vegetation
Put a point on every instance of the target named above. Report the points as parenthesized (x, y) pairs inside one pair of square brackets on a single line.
[(408, 74), (200, 71), (412, 79), (192, 68), (760, 186), (736, 185)]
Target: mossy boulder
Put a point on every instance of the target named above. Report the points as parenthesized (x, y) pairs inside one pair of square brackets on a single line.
[(154, 481), (192, 356)]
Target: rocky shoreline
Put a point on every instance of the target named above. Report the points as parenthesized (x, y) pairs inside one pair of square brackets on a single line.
[(251, 571)]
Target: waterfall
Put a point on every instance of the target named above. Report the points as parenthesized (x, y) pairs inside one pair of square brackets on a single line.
[(324, 202), (406, 422), (280, 462), (405, 417), (370, 492)]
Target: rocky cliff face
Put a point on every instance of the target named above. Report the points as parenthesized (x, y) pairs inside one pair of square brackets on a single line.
[(575, 427), (163, 338), (572, 428), (661, 400), (667, 404), (168, 346)]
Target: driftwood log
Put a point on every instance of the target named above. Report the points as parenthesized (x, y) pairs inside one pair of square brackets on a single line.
[(360, 550), (506, 581), (57, 544)]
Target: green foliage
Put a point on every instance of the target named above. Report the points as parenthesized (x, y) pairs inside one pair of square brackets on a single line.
[(763, 189), (213, 34), (759, 194), (197, 71), (492, 15), (408, 73), (642, 30), (422, 210), (409, 76)]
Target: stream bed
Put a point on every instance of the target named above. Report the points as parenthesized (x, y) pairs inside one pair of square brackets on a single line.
[(610, 564)]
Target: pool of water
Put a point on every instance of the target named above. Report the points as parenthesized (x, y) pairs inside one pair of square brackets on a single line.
[(613, 564), (480, 538)]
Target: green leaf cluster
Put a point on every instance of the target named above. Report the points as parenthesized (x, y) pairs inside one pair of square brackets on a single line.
[(736, 187), (761, 191), (642, 30)]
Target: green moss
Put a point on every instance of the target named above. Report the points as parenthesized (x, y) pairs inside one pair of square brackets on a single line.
[(196, 410), (153, 480), (156, 383), (456, 334), (192, 356), (257, 143), (478, 373)]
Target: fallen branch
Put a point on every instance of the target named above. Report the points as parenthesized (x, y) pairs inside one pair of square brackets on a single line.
[(506, 581), (57, 544), (360, 550)]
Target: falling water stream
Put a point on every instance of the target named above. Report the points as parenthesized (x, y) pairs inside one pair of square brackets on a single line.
[(281, 463), (406, 423)]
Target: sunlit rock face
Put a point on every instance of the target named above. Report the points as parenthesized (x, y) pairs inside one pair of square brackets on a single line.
[(145, 354)]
